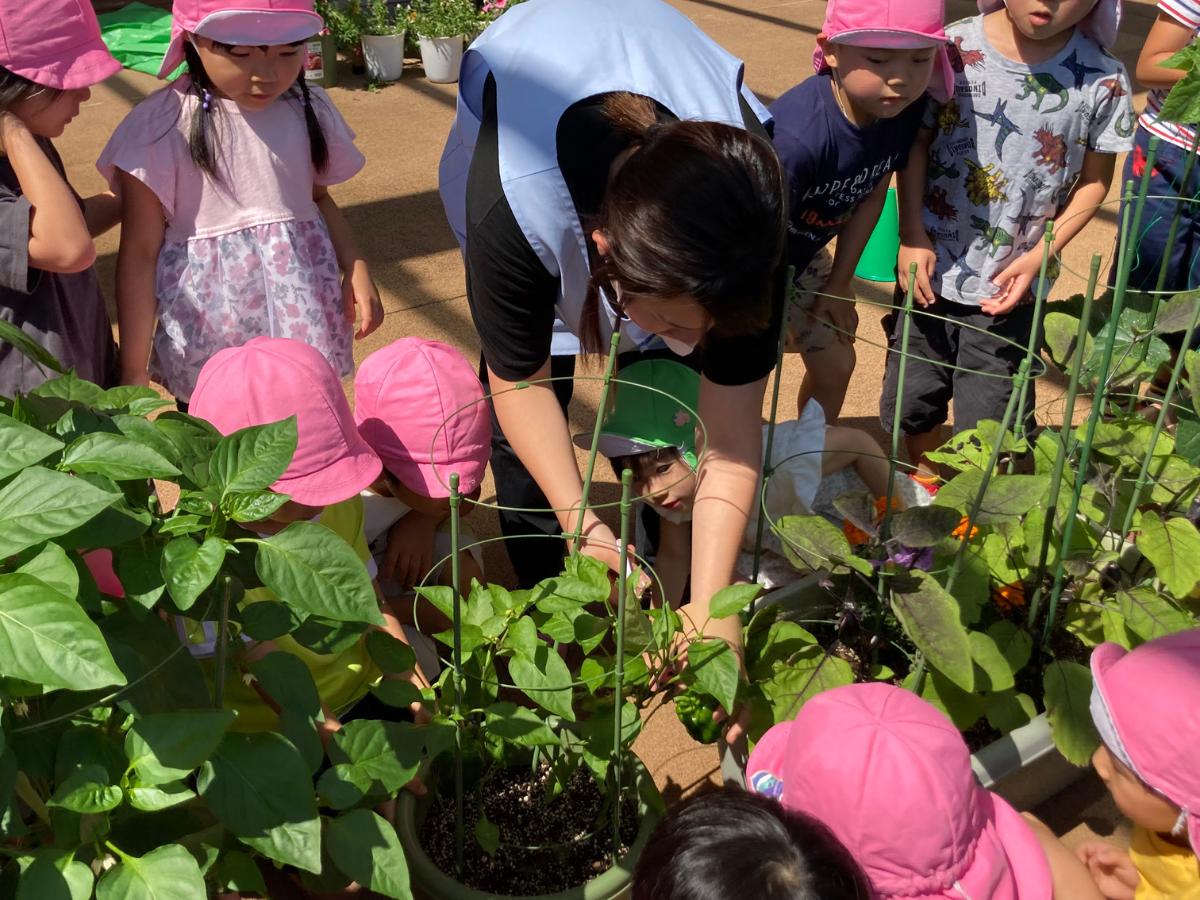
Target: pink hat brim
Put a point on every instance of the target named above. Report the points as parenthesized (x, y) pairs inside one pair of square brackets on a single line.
[(433, 479), (340, 481), (764, 767), (941, 81), (256, 27), (86, 66)]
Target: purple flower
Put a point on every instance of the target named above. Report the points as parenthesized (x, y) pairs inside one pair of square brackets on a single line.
[(911, 557)]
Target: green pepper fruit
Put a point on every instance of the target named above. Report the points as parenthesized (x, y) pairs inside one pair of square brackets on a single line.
[(695, 711)]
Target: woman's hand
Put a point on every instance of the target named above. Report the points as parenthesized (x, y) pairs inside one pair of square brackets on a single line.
[(360, 300)]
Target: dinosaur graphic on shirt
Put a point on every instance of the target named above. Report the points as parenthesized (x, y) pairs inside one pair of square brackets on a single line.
[(936, 203), (948, 118), (961, 57), (1114, 87), (1051, 150), (1040, 86), (964, 272), (939, 169), (993, 235), (1079, 70), (1022, 220), (1124, 124), (984, 184), (1006, 127)]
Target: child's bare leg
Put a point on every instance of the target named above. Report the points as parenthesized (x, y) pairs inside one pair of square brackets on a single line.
[(920, 444), (827, 375), (852, 447)]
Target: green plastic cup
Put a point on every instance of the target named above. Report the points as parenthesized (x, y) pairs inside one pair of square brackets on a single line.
[(878, 261)]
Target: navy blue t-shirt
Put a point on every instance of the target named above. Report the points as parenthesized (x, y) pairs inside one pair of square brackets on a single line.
[(832, 164)]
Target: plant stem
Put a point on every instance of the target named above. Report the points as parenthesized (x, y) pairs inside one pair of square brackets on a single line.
[(222, 648), (906, 313), (460, 845), (1033, 350), (601, 411), (1065, 441), (619, 665), (789, 298)]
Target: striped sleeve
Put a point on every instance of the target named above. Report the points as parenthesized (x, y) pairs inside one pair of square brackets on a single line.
[(1186, 12)]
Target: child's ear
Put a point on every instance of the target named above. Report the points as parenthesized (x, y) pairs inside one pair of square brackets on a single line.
[(829, 48), (601, 241)]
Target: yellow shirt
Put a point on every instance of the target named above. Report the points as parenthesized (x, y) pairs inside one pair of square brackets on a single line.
[(341, 678), (1169, 871)]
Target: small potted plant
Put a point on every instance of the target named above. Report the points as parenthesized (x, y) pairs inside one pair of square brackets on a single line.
[(441, 27), (343, 24), (382, 41)]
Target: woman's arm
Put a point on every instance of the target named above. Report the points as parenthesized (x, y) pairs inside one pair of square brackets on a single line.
[(728, 477), (142, 230), (58, 235), (101, 212), (1166, 38), (359, 292), (537, 430)]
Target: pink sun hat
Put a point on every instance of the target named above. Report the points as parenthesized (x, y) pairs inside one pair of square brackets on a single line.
[(1144, 704), (891, 25), (1101, 24), (54, 43), (268, 379), (253, 23), (891, 777), (420, 406)]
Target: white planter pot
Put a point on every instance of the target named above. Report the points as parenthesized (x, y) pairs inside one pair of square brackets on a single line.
[(442, 58), (384, 56)]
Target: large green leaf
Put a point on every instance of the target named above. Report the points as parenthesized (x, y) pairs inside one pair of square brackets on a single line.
[(713, 667), (732, 600), (53, 567), (518, 725), (39, 504), (11, 334), (387, 752), (1014, 643), (812, 542), (22, 446), (314, 571), (167, 746), (393, 657), (931, 619), (1008, 710), (48, 639), (288, 682), (168, 873), (1067, 690), (807, 673), (117, 457), (1007, 496), (1062, 331), (1173, 547), (997, 673), (252, 506), (87, 790), (258, 786), (962, 707), (164, 796), (366, 848), (924, 526), (253, 458), (188, 567), (1149, 614), (545, 679), (54, 875)]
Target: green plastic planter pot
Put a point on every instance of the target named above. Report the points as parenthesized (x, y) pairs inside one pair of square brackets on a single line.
[(878, 260), (615, 884)]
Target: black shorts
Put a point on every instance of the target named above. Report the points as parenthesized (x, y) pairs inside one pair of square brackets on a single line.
[(975, 366)]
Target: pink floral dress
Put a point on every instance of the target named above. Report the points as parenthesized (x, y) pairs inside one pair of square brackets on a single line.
[(247, 254)]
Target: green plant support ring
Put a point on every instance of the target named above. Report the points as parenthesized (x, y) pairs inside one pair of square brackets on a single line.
[(615, 884)]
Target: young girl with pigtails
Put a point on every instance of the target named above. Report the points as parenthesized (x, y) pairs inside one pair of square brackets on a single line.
[(228, 230)]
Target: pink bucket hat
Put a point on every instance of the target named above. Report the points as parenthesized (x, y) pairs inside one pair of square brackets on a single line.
[(891, 777), (420, 405), (54, 43), (246, 22), (268, 379), (1101, 24), (891, 24), (1145, 708)]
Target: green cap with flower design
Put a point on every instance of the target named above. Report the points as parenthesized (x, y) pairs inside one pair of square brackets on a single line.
[(655, 408)]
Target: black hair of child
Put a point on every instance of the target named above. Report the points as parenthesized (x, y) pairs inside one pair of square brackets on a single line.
[(640, 464), (730, 844), (15, 88)]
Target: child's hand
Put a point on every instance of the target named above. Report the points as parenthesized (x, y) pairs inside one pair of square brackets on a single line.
[(1013, 282), (409, 555), (10, 124), (360, 299), (1111, 868), (837, 310), (922, 253)]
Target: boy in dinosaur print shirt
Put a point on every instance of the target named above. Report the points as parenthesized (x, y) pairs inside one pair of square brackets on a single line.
[(1031, 134)]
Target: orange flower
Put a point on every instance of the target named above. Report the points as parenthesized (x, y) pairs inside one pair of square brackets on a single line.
[(1009, 597), (855, 535), (960, 530)]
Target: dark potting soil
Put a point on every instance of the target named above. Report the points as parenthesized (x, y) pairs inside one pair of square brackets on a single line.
[(546, 846)]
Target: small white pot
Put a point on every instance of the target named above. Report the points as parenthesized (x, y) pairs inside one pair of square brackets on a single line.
[(384, 56), (442, 58)]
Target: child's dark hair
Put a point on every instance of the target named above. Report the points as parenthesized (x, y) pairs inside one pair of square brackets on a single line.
[(641, 464), (200, 139), (731, 844), (15, 88), (699, 210)]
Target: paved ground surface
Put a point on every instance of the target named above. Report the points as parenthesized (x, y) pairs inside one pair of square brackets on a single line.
[(394, 209)]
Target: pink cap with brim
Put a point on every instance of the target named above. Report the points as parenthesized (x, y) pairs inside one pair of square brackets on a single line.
[(269, 379), (891, 25), (252, 23), (891, 777), (1147, 700), (54, 43), (1101, 24), (420, 406)]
